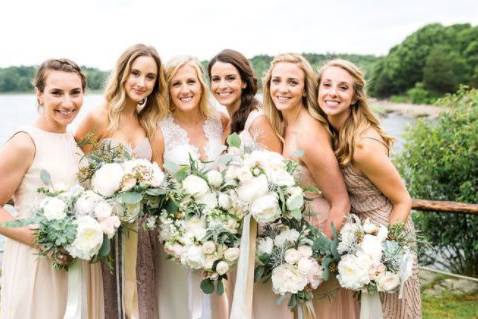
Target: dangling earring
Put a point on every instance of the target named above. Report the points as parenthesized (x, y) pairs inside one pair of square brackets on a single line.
[(141, 105)]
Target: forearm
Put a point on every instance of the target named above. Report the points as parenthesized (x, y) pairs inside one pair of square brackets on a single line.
[(23, 235), (337, 215), (400, 212)]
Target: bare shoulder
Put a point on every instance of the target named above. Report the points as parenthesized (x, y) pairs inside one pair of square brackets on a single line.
[(98, 117), (21, 144), (368, 145), (312, 133), (95, 121), (260, 120)]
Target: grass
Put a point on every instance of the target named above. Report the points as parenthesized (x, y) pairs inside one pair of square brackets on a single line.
[(450, 305)]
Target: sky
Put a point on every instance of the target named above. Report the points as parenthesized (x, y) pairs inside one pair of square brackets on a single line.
[(95, 33)]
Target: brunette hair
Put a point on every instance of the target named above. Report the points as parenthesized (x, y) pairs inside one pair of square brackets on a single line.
[(63, 65)]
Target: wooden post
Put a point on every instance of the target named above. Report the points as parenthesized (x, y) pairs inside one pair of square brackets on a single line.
[(444, 206)]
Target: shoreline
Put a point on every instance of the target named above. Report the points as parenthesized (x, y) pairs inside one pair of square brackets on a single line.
[(408, 110)]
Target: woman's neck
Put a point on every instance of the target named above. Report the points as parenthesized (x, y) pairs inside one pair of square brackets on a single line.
[(49, 125), (188, 118)]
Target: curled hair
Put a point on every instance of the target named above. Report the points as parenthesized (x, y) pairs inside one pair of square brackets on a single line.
[(361, 117), (309, 99), (172, 68), (115, 93), (248, 100), (63, 65)]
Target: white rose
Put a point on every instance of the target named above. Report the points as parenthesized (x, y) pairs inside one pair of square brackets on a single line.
[(388, 282), (254, 188), (174, 249), (53, 208), (310, 267), (281, 177), (291, 256), (290, 235), (232, 254), (109, 225), (195, 227), (354, 271), (89, 238), (305, 251), (209, 200), (295, 199), (382, 233), (194, 257), (266, 209), (208, 247), (224, 201), (373, 247), (222, 267), (376, 271), (232, 173), (265, 246), (287, 279), (158, 176), (107, 180), (103, 210), (369, 227), (195, 186), (181, 154), (214, 178), (85, 205)]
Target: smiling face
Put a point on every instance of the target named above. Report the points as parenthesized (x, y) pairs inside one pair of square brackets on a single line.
[(226, 84), (61, 98), (336, 92), (185, 89), (287, 86), (141, 79)]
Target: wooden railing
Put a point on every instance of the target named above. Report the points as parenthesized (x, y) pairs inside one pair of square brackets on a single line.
[(444, 206)]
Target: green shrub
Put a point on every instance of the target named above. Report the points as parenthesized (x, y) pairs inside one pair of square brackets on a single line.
[(440, 162), (420, 95)]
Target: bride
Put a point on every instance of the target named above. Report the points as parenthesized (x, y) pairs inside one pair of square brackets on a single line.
[(192, 128)]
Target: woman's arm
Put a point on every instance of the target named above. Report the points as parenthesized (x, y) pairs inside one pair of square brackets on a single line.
[(92, 127), (371, 158), (321, 162), (157, 145), (17, 157), (264, 135)]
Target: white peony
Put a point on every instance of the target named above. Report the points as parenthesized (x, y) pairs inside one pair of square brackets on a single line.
[(311, 268), (103, 210), (109, 225), (265, 246), (288, 235), (222, 267), (209, 200), (369, 227), (208, 247), (266, 209), (354, 271), (281, 177), (305, 251), (195, 186), (85, 204), (107, 180), (214, 178), (174, 249), (196, 228), (287, 279), (194, 257), (181, 154), (158, 175), (373, 247), (53, 208), (388, 282), (296, 198), (224, 201), (254, 188), (292, 256), (89, 238), (232, 254)]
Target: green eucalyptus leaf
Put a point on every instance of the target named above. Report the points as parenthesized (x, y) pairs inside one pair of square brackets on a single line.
[(131, 198), (234, 140), (207, 286), (45, 177), (220, 287), (105, 247)]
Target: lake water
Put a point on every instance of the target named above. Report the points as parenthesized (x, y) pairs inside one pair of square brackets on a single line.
[(21, 109)]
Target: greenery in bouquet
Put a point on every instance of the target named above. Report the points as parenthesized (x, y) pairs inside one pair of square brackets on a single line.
[(297, 258), (374, 258), (199, 225), (71, 221)]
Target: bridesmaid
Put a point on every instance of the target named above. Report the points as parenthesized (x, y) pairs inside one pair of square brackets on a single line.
[(135, 100), (290, 101), (234, 85), (30, 287), (192, 128), (362, 149)]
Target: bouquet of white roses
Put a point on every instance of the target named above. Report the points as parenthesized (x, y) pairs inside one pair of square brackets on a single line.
[(199, 225), (75, 221), (374, 258), (138, 185), (297, 259)]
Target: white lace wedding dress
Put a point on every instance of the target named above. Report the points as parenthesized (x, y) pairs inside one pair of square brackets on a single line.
[(179, 292)]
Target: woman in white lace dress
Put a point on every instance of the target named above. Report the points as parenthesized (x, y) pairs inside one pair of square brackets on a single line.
[(193, 128)]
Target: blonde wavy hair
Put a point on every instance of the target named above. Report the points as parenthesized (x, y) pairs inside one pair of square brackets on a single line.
[(309, 100), (361, 116), (172, 68), (115, 94)]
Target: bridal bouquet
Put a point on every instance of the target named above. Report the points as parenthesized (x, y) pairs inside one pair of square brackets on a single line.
[(296, 259), (199, 224), (137, 185), (74, 221), (374, 258)]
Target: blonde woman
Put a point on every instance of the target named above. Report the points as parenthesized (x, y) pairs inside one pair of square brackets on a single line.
[(135, 100), (31, 288), (362, 149), (290, 102), (192, 128)]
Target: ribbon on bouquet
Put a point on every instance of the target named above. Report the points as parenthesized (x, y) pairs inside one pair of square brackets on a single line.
[(77, 299), (129, 295), (243, 291), (195, 294), (306, 311), (370, 306)]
